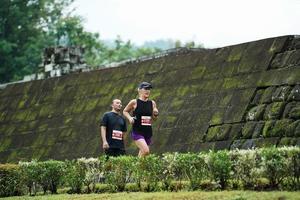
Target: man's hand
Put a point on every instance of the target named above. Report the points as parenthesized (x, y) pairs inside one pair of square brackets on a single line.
[(105, 145)]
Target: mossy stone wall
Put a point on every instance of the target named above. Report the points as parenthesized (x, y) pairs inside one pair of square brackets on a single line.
[(240, 96)]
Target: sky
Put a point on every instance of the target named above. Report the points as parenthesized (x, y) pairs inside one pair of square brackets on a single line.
[(213, 23)]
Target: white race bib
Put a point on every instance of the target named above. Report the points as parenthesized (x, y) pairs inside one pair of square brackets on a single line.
[(146, 120), (117, 135)]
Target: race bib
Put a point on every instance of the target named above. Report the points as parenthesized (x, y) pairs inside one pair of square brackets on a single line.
[(117, 135), (146, 120)]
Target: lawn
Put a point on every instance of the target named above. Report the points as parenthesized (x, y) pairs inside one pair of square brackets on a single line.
[(222, 195)]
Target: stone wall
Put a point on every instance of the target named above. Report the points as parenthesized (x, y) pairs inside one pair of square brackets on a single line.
[(240, 96)]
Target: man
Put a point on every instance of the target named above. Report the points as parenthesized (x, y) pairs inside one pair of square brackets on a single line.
[(113, 128)]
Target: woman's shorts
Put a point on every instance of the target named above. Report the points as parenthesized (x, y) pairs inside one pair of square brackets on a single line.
[(137, 136)]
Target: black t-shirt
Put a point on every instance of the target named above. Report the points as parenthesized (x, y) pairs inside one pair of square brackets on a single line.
[(115, 126)]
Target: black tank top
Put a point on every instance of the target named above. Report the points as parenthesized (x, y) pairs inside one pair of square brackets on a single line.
[(143, 114)]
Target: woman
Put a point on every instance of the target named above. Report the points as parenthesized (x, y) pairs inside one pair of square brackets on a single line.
[(144, 112)]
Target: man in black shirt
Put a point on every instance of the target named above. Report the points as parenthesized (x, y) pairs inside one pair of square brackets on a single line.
[(113, 128)]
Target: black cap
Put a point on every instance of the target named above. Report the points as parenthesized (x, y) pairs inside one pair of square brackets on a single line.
[(145, 85)]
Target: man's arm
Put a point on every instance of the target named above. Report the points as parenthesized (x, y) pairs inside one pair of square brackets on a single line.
[(103, 136)]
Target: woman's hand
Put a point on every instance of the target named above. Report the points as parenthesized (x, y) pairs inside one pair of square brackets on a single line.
[(131, 120)]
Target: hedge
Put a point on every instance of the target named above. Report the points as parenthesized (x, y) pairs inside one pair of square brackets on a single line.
[(254, 169)]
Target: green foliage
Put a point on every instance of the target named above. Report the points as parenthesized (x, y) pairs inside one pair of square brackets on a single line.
[(47, 174), (10, 182), (219, 165), (194, 168), (245, 167), (74, 176), (24, 28), (30, 175), (51, 173), (118, 171), (256, 169), (274, 165), (149, 169), (94, 169)]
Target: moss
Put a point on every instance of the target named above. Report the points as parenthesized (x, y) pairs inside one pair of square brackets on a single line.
[(22, 103), (20, 116), (267, 95), (267, 128), (280, 128), (176, 103), (217, 118), (39, 140), (256, 113), (223, 132), (182, 90), (274, 110), (212, 134), (91, 104), (295, 112), (248, 130), (226, 100), (234, 56), (42, 127), (257, 97), (169, 121), (4, 144), (155, 94), (285, 141), (291, 129), (198, 72), (12, 157), (281, 93)]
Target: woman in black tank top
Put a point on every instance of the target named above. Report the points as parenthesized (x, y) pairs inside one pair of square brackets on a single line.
[(144, 111)]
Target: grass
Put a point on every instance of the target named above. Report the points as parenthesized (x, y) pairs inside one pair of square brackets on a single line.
[(199, 195)]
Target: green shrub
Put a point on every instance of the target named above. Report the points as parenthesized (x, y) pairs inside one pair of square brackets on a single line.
[(94, 170), (275, 166), (51, 175), (118, 171), (292, 160), (30, 175), (194, 168), (219, 165), (10, 180), (74, 176), (245, 168), (150, 170)]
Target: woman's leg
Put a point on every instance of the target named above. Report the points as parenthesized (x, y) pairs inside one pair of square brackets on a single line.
[(143, 147)]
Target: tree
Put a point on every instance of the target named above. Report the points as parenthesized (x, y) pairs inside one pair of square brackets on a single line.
[(24, 26)]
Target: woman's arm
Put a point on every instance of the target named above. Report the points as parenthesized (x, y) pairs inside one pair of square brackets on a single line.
[(130, 107), (155, 111)]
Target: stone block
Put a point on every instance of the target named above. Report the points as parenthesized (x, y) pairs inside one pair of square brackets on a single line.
[(248, 130), (281, 94), (235, 131), (257, 98), (266, 132), (267, 95), (218, 133), (295, 94), (274, 110), (291, 130), (256, 113), (287, 141), (295, 112), (257, 133)]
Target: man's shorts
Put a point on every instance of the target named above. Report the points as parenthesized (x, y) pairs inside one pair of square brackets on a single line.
[(137, 136)]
